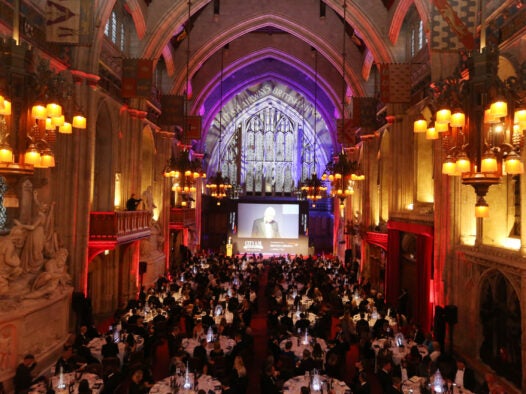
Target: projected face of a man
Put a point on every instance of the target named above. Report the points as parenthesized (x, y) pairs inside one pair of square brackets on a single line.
[(270, 214)]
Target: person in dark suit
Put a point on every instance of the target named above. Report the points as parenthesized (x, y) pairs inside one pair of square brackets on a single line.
[(266, 227), (269, 380), (362, 327), (110, 348), (306, 363), (67, 362), (464, 377), (302, 323), (363, 386), (132, 203), (23, 377), (384, 376)]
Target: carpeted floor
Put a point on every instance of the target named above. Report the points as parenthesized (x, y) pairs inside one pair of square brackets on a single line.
[(260, 333)]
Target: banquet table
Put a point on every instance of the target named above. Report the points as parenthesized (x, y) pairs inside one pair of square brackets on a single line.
[(372, 320), (399, 352), (204, 382), (294, 385), (95, 383), (227, 344), (96, 344), (414, 384), (298, 348)]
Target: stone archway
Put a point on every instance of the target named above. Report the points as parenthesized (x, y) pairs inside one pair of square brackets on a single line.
[(500, 320)]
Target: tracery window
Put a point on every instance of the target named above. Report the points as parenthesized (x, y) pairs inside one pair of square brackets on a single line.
[(270, 140)]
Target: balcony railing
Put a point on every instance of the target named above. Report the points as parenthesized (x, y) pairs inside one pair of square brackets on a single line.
[(119, 226), (182, 217)]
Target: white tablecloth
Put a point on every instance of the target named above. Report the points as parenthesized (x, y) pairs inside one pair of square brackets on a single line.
[(95, 346), (205, 382), (298, 348), (399, 352), (95, 383), (294, 385), (227, 344), (413, 385)]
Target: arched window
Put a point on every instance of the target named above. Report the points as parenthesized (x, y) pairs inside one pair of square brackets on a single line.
[(500, 319), (115, 29)]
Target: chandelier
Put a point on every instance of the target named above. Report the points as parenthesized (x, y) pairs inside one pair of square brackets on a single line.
[(186, 168), (220, 186), (342, 173), (45, 114), (480, 120)]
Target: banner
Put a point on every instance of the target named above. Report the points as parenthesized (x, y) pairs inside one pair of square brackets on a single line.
[(395, 83), (364, 112), (346, 135), (137, 78), (193, 128), (63, 21), (172, 110), (453, 24)]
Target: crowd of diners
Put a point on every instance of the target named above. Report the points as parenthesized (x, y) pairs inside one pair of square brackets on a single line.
[(209, 301)]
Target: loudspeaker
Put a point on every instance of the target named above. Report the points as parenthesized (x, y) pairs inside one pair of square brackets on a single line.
[(451, 314), (142, 267)]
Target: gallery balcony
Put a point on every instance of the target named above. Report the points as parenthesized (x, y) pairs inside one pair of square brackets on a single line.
[(119, 226), (182, 218)]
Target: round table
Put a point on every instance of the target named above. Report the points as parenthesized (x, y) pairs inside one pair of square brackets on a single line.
[(95, 383), (227, 344), (294, 385), (399, 352), (298, 348), (414, 384), (205, 382), (96, 344)]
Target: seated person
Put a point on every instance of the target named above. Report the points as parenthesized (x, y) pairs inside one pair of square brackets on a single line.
[(307, 363), (110, 348), (302, 323), (67, 362), (23, 377)]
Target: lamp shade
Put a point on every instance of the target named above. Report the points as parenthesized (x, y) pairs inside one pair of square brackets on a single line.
[(488, 162), (38, 112), (441, 127), (513, 164), (47, 159), (443, 115), (53, 110), (32, 155), (6, 154), (65, 128), (499, 108), (458, 119), (79, 122), (481, 208), (463, 163), (49, 124), (5, 107), (420, 126), (449, 167), (431, 133)]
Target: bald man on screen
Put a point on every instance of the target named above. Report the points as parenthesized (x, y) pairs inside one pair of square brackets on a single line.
[(266, 227)]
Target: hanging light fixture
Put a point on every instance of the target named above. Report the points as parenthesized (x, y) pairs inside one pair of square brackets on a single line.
[(220, 186), (341, 172), (481, 121), (186, 168), (314, 188)]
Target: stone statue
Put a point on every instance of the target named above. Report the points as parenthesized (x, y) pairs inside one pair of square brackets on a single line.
[(147, 199), (10, 263), (54, 275), (41, 240)]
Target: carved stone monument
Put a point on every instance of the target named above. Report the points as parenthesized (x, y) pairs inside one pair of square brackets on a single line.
[(35, 288)]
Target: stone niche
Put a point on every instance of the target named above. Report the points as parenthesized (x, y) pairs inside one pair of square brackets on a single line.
[(39, 327)]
